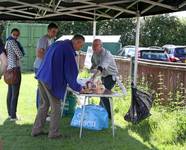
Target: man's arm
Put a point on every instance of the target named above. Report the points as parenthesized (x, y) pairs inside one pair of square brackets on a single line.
[(41, 47), (40, 53), (71, 72)]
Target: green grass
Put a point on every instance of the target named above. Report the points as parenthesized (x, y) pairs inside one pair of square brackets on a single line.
[(163, 130)]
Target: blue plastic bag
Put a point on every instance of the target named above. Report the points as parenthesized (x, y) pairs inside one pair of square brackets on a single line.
[(95, 117)]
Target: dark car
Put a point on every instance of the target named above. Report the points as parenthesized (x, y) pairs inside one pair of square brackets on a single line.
[(175, 53), (153, 54)]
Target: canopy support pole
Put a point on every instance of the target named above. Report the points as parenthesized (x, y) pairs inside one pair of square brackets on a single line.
[(136, 49), (94, 25)]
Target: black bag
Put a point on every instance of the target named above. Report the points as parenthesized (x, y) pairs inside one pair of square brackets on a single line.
[(140, 106)]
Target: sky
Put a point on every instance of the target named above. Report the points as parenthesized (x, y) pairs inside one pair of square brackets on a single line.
[(181, 14)]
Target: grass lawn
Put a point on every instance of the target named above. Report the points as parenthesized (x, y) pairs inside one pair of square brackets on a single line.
[(160, 131)]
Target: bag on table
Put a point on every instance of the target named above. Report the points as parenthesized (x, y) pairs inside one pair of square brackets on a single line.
[(95, 117), (11, 76)]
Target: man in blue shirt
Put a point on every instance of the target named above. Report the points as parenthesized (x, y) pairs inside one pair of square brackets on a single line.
[(58, 69)]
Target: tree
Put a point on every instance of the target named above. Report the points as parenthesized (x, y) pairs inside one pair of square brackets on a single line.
[(161, 30), (74, 27), (124, 27)]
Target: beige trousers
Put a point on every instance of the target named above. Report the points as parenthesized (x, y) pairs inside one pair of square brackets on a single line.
[(47, 100)]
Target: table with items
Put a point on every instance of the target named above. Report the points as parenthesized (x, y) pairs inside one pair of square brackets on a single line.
[(94, 90)]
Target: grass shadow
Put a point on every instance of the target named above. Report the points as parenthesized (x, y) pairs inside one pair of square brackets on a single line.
[(143, 129), (16, 136)]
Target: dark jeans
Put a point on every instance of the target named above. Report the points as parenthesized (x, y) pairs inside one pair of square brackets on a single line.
[(109, 83), (38, 99), (12, 96)]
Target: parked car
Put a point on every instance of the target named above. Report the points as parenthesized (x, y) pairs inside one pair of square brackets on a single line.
[(175, 53), (128, 51), (153, 54)]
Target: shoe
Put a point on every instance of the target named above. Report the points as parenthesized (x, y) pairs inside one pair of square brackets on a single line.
[(13, 119), (48, 119), (38, 134)]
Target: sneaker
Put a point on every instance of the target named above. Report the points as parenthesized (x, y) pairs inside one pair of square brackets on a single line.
[(13, 119), (48, 119)]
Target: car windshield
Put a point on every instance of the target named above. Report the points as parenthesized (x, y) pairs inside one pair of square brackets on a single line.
[(154, 56), (181, 51), (131, 52)]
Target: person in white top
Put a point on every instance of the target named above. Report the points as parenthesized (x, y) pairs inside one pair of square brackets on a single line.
[(43, 43)]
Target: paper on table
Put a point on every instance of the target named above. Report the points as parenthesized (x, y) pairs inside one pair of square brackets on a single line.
[(83, 81)]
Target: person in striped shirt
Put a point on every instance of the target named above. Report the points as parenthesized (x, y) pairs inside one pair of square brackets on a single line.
[(14, 52)]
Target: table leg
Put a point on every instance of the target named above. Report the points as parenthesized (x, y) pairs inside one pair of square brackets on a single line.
[(82, 117), (112, 115)]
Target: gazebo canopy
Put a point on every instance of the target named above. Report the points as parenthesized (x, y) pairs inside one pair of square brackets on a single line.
[(85, 9)]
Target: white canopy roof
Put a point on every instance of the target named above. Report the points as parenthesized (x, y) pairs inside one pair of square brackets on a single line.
[(89, 38)]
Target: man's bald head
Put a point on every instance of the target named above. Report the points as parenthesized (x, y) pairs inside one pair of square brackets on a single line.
[(97, 41), (97, 46)]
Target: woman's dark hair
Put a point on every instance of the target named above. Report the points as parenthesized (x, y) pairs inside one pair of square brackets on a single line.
[(15, 30)]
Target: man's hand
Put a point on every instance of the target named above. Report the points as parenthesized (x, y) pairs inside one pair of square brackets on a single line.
[(82, 90), (40, 53)]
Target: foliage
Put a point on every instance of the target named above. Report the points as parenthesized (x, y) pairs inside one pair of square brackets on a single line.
[(155, 30), (124, 27), (75, 27), (161, 30)]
